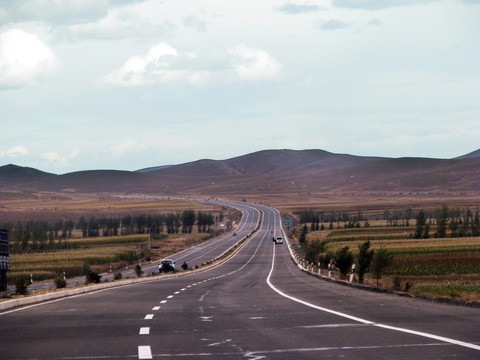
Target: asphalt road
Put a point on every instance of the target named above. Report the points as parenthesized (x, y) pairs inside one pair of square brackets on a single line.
[(256, 305)]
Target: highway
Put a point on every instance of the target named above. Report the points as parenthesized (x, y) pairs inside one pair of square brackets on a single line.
[(256, 305)]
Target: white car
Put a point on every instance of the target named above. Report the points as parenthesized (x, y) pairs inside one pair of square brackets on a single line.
[(278, 240), (166, 265)]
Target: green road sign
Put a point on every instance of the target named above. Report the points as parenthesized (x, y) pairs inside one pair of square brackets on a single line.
[(288, 222)]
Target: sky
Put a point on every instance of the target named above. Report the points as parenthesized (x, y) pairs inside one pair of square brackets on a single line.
[(105, 84)]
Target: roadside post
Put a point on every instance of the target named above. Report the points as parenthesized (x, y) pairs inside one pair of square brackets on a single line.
[(329, 270), (353, 272), (4, 259)]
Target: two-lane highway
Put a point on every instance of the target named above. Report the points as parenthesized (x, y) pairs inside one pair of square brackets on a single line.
[(256, 305)]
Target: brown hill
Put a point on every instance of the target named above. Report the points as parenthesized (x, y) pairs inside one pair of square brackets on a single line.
[(269, 171)]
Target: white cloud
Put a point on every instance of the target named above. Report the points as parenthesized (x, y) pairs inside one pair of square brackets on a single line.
[(333, 24), (24, 58), (55, 11), (53, 157), (155, 67), (119, 23), (294, 9), (122, 147), (195, 23), (376, 4), (163, 64), (15, 151), (254, 64)]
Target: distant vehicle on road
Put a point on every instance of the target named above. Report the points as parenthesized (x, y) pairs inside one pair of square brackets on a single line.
[(278, 240), (166, 265), (234, 234)]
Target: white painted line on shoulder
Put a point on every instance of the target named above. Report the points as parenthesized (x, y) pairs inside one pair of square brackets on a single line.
[(156, 308), (149, 317), (144, 331), (367, 322), (144, 352)]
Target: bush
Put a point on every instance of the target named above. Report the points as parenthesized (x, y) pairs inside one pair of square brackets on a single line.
[(138, 270), (21, 285), (343, 260), (397, 283), (60, 282), (117, 276), (93, 277)]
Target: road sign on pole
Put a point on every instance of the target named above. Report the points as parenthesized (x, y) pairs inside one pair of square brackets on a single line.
[(288, 222)]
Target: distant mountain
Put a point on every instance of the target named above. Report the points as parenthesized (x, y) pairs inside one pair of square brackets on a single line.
[(263, 172), (473, 154), (153, 168), (13, 175)]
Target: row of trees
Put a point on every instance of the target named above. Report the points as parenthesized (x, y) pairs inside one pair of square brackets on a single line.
[(33, 235), (367, 259), (459, 223)]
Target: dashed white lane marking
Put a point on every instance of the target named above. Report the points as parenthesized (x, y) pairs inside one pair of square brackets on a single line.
[(149, 317), (176, 293), (367, 322), (156, 308), (169, 296), (163, 302), (144, 331), (144, 352), (183, 289)]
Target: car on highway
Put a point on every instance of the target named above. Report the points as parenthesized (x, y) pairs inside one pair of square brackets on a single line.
[(278, 240), (166, 265), (234, 234)]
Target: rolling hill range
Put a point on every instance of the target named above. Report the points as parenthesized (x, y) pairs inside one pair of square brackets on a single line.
[(265, 172)]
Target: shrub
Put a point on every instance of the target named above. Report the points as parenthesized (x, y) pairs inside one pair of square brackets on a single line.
[(184, 265), (60, 282), (117, 276), (138, 270), (93, 277), (343, 260), (397, 283), (21, 285)]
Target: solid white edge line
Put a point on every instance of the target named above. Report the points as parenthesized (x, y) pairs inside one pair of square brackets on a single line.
[(363, 321)]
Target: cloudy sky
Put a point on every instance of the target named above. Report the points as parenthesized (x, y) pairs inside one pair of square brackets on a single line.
[(105, 84)]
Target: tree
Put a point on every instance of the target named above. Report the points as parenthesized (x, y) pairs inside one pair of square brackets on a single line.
[(343, 260), (365, 256), (303, 235), (420, 225), (313, 250), (381, 260), (442, 221)]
